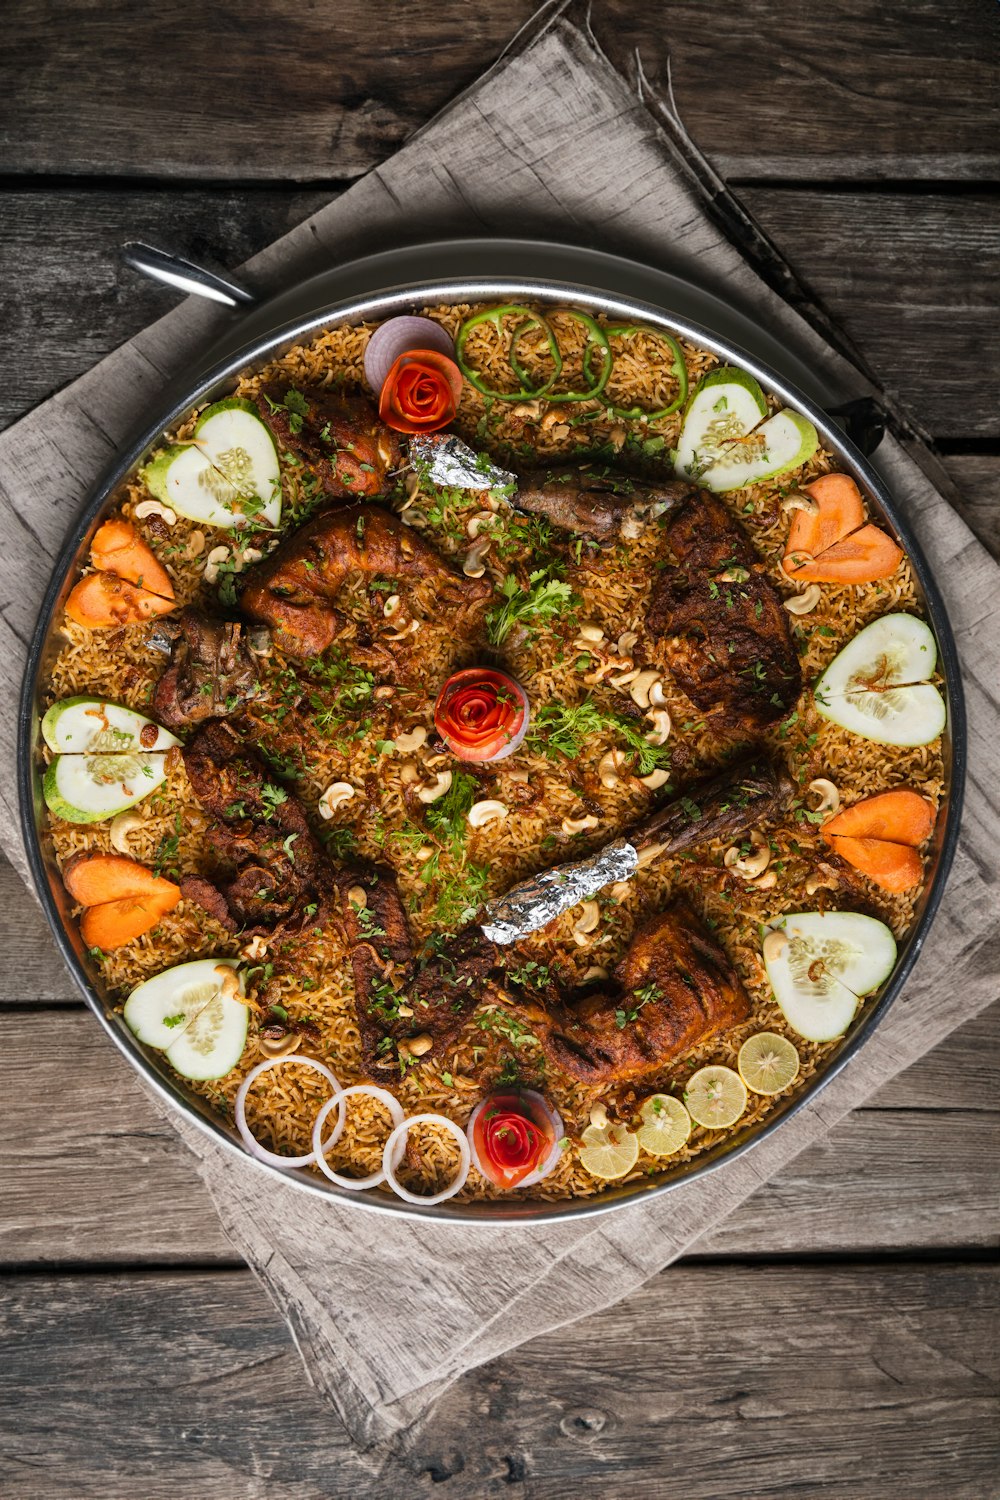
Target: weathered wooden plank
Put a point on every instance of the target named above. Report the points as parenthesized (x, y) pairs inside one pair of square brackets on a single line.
[(908, 278), (102, 1178), (766, 1381), (977, 476), (847, 89)]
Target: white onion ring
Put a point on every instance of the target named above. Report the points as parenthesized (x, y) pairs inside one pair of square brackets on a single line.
[(549, 1162), (355, 1184), (398, 336), (390, 1155), (239, 1110)]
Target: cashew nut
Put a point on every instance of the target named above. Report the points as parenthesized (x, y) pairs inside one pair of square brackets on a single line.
[(121, 827), (336, 794), (594, 973), (624, 678), (660, 732), (657, 697), (474, 565), (488, 811), (392, 606), (765, 882), (609, 767), (424, 853), (195, 545), (775, 943), (579, 825), (404, 631), (155, 508), (626, 641), (829, 797), (408, 773), (647, 855), (218, 555), (733, 575), (639, 690), (229, 982), (411, 485), (357, 897), (411, 740), (587, 921), (655, 779), (431, 791), (804, 603), (417, 1046), (825, 879), (598, 1116), (255, 949), (279, 1046), (476, 523), (591, 633), (799, 500), (749, 865)]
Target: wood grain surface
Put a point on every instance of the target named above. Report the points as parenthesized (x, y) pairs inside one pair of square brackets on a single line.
[(836, 1335)]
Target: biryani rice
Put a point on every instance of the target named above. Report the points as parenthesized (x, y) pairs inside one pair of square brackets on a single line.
[(614, 587)]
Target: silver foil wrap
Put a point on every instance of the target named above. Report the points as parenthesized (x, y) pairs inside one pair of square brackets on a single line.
[(452, 463), (544, 897)]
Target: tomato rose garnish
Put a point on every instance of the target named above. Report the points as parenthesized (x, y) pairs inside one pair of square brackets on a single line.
[(512, 1136), (421, 392), (481, 714)]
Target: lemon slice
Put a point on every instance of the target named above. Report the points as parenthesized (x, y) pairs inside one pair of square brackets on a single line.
[(665, 1126), (768, 1063), (609, 1150), (715, 1097)]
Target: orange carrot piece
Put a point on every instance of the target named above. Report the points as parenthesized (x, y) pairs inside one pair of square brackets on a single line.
[(102, 601), (894, 867), (93, 879), (862, 557), (118, 548), (841, 511), (899, 817), (116, 923)]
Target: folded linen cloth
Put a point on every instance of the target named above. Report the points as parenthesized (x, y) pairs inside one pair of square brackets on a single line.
[(388, 1314)]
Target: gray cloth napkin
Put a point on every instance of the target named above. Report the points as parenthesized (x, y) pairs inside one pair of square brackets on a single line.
[(552, 140)]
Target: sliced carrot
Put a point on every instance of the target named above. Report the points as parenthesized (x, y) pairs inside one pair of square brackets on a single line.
[(892, 866), (118, 548), (92, 879), (862, 557), (900, 817), (841, 511), (101, 600), (115, 923)]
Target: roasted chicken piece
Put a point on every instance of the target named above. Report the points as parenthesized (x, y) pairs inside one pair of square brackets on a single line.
[(340, 439), (724, 633), (398, 999), (595, 502), (211, 672), (272, 877), (673, 989), (294, 590)]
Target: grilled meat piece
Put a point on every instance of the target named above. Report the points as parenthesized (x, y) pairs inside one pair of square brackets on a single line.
[(211, 672), (725, 634), (673, 989), (273, 876), (340, 438), (439, 994), (602, 505), (726, 806), (204, 894), (294, 590)]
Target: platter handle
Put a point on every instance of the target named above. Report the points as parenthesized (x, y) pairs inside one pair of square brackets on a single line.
[(184, 275)]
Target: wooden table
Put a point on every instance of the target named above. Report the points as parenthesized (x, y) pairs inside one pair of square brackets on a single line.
[(837, 1334)]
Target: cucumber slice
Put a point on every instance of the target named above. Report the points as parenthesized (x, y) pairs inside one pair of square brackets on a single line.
[(163, 1007), (88, 726), (877, 686), (227, 474), (727, 404), (213, 1044), (90, 788), (783, 442), (830, 960)]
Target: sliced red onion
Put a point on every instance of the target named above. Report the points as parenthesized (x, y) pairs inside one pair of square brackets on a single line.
[(392, 1104), (239, 1110), (398, 336), (544, 1107), (392, 1150)]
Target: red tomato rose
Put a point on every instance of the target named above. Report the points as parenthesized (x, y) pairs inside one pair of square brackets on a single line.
[(481, 714), (421, 392), (510, 1143)]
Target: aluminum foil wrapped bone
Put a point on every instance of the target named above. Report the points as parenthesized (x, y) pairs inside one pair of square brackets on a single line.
[(540, 899), (452, 463)]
